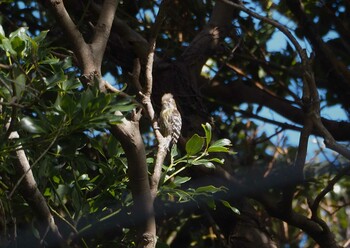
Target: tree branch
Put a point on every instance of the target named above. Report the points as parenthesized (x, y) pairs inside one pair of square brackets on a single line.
[(102, 30), (31, 193), (82, 50), (238, 92), (274, 23), (205, 43), (315, 204), (128, 133), (330, 59)]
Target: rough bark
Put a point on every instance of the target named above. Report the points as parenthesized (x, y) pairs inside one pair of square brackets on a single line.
[(128, 134), (30, 192), (90, 57)]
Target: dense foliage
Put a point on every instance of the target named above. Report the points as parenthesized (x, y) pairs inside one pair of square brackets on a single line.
[(263, 157)]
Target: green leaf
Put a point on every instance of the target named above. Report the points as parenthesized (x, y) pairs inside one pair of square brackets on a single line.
[(173, 152), (56, 179), (41, 36), (115, 119), (207, 130), (208, 189), (180, 180), (123, 105), (222, 142), (49, 61), (8, 47), (228, 205), (206, 162), (210, 203), (62, 190), (18, 45), (194, 145), (218, 149), (68, 105), (32, 125), (2, 32), (220, 146), (67, 63), (21, 33), (19, 40), (20, 84), (86, 98), (217, 160)]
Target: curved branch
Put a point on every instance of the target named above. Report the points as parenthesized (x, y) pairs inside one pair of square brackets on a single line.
[(330, 58), (274, 23), (128, 133), (238, 92), (326, 190), (205, 43), (80, 47), (32, 194), (102, 30)]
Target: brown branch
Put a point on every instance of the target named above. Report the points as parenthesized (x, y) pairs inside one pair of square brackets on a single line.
[(128, 133), (163, 143), (147, 91), (205, 42), (102, 30), (31, 193), (311, 108), (329, 139), (5, 67), (274, 23), (80, 47), (135, 75), (324, 239), (283, 125), (315, 204), (310, 32), (238, 92), (139, 44)]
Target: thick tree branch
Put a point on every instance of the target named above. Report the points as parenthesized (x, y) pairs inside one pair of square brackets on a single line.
[(315, 204), (32, 195), (102, 30), (81, 49), (206, 42), (128, 133), (163, 143), (139, 44), (238, 92), (310, 31)]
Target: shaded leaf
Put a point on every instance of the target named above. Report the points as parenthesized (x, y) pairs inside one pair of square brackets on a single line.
[(228, 205), (208, 189)]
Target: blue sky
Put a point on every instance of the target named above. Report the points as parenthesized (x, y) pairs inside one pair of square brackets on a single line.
[(277, 43)]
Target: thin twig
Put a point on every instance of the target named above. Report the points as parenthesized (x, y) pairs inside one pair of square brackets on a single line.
[(163, 143), (326, 190), (309, 80), (274, 23)]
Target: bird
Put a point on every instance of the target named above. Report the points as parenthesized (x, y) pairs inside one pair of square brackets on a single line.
[(170, 121)]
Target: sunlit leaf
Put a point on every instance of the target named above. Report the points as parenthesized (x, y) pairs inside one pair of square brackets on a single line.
[(180, 180), (32, 125), (194, 144), (207, 130)]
